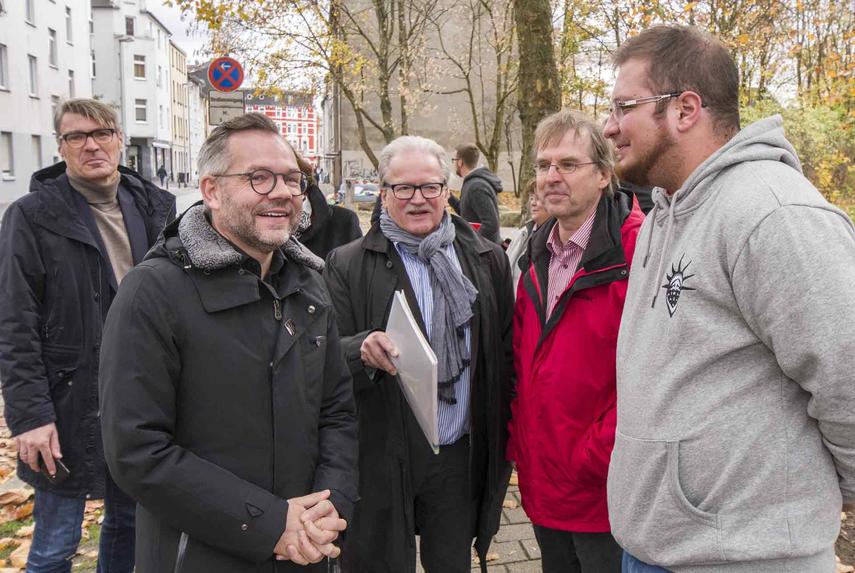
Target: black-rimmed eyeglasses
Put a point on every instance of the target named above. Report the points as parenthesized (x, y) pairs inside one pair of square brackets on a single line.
[(408, 191), (78, 138), (618, 108), (263, 181)]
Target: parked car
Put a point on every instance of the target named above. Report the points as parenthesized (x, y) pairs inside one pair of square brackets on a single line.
[(362, 193)]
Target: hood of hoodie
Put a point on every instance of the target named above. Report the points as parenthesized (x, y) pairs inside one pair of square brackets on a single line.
[(483, 173), (762, 140), (191, 241)]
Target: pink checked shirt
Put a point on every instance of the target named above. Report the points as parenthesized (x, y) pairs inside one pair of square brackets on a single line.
[(565, 258)]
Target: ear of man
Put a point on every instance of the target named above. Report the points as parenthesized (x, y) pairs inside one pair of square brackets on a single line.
[(689, 111)]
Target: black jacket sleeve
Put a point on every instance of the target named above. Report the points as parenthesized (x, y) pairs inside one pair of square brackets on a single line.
[(26, 391), (140, 367), (338, 459), (351, 338)]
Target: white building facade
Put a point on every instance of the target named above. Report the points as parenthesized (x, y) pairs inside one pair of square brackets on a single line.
[(131, 51), (197, 102), (45, 56)]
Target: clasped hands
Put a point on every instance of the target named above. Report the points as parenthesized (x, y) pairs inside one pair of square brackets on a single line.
[(311, 526)]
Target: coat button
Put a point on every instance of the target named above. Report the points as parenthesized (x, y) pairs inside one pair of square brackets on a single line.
[(244, 527), (241, 272), (389, 264), (70, 382), (96, 295), (311, 309)]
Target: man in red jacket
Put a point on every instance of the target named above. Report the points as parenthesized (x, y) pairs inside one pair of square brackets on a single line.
[(566, 322)]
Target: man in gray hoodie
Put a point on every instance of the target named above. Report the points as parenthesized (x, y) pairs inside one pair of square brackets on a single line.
[(735, 442), (478, 196)]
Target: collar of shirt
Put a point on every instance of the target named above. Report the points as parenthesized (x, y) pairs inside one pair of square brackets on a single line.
[(578, 240)]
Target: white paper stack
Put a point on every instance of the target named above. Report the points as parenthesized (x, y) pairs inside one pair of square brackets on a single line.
[(416, 365)]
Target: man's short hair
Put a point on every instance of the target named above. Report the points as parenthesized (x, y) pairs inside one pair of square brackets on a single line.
[(552, 129), (97, 111), (468, 154), (214, 155), (407, 143), (686, 58)]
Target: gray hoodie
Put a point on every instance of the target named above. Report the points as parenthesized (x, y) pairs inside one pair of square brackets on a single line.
[(736, 370)]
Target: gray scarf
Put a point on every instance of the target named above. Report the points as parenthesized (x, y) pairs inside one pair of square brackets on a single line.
[(453, 297)]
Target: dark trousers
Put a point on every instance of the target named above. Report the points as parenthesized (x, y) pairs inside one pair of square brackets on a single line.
[(443, 510), (572, 552)]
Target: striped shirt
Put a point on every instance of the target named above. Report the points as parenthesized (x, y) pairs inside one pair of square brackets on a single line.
[(565, 259), (452, 419)]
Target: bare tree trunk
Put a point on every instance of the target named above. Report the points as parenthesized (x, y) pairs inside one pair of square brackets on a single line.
[(539, 92)]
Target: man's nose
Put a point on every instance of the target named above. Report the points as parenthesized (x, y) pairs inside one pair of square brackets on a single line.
[(610, 128), (90, 144)]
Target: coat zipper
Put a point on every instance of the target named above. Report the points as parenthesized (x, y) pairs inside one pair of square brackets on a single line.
[(182, 550)]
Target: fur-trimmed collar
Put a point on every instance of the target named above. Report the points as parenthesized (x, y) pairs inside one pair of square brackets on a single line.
[(209, 251)]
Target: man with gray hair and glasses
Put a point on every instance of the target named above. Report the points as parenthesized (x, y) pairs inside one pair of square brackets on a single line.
[(230, 416), (458, 286), (64, 249)]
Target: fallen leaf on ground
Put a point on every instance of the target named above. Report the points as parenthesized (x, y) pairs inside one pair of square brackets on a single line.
[(18, 558), (510, 504), (7, 542), (15, 496), (514, 479), (26, 531), (24, 511)]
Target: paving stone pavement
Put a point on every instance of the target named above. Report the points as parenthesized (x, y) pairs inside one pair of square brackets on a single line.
[(514, 543)]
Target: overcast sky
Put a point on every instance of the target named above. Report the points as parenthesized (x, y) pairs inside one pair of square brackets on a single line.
[(171, 18)]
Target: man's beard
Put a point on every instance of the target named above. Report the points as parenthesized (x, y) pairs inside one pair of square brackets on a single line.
[(242, 226), (639, 172)]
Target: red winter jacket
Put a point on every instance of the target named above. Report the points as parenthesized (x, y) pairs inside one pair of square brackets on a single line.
[(562, 428)]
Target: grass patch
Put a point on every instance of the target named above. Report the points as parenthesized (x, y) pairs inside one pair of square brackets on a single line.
[(9, 528)]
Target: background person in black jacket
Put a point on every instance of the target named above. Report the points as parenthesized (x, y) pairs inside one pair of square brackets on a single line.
[(64, 249), (459, 289), (230, 416), (323, 227), (478, 195)]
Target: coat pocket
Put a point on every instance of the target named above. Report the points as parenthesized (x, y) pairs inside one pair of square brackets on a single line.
[(648, 509)]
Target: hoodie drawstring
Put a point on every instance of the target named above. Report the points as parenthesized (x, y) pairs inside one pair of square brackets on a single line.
[(652, 218), (669, 230)]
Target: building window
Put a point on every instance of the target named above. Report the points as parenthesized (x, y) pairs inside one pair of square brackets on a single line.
[(139, 67), (7, 159), (37, 150), (2, 7), (68, 27), (140, 110), (52, 47), (159, 73), (129, 25), (92, 60), (54, 105), (30, 11), (70, 83), (4, 68), (33, 77)]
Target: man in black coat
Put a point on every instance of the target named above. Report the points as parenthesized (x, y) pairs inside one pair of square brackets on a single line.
[(229, 416), (478, 196), (64, 249), (458, 287), (323, 227)]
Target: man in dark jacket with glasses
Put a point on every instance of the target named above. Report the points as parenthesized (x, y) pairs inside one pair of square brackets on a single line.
[(64, 249), (458, 287)]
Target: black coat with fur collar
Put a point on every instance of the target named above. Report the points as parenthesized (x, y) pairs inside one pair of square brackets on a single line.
[(226, 396)]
